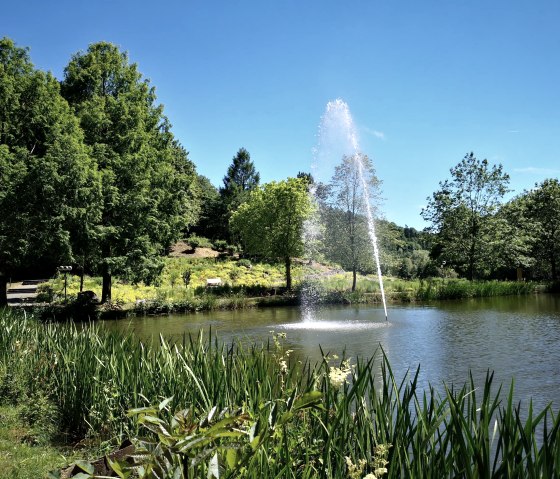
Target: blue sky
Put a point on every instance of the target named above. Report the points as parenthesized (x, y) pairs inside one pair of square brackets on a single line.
[(426, 81)]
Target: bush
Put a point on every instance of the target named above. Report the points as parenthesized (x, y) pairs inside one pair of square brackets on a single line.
[(198, 242), (220, 245), (245, 263)]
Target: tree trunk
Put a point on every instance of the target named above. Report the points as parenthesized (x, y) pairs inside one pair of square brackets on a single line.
[(3, 288), (288, 263), (553, 267), (81, 279), (106, 289), (353, 278)]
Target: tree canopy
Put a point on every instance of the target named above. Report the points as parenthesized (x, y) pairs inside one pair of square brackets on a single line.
[(148, 183), (347, 240), (270, 222), (241, 178), (50, 189), (543, 211), (462, 215)]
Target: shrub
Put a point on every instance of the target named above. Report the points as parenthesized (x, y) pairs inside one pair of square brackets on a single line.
[(198, 242), (245, 263), (220, 245)]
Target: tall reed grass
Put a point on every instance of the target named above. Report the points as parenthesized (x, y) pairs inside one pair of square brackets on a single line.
[(94, 377)]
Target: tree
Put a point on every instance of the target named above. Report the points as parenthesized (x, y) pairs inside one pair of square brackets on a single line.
[(148, 182), (513, 233), (240, 180), (50, 189), (209, 221), (347, 239), (462, 216), (270, 222), (543, 211)]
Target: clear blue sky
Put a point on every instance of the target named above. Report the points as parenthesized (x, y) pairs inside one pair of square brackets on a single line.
[(426, 81)]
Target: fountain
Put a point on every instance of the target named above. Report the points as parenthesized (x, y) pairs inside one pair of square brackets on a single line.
[(338, 137)]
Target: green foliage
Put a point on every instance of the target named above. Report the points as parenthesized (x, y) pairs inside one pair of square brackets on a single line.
[(253, 412), (543, 210), (270, 223), (50, 189), (240, 180), (209, 220), (198, 242), (344, 214), (149, 185), (462, 216), (221, 245), (23, 453), (245, 263)]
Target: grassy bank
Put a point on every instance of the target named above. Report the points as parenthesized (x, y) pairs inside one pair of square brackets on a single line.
[(24, 450), (279, 418), (245, 285)]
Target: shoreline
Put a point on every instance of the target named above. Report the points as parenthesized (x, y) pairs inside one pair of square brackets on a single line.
[(428, 291)]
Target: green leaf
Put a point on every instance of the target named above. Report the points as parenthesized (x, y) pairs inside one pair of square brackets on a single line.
[(85, 466), (164, 403), (119, 467), (310, 399), (231, 458)]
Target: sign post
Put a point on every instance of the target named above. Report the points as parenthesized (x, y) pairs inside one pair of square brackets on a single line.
[(65, 270)]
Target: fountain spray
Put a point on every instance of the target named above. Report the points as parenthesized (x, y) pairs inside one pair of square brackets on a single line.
[(337, 119)]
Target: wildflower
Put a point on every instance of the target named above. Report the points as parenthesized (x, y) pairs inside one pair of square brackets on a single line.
[(370, 476), (338, 376), (283, 367), (355, 470)]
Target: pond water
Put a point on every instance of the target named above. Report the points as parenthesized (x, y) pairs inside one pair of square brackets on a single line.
[(516, 337)]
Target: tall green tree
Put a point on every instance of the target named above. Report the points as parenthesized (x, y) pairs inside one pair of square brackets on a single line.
[(543, 211), (209, 223), (270, 222), (241, 178), (50, 189), (148, 182), (514, 233), (462, 216), (347, 240)]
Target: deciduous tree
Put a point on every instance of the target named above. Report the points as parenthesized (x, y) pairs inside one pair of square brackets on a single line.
[(270, 222), (462, 215), (543, 210), (347, 240)]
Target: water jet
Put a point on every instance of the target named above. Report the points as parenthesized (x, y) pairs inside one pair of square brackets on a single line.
[(338, 138)]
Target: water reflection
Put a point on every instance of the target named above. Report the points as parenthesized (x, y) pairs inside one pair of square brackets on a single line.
[(517, 337)]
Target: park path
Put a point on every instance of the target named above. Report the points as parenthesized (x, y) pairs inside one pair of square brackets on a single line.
[(24, 291)]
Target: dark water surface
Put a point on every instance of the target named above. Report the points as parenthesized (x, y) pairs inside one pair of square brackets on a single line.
[(516, 337)]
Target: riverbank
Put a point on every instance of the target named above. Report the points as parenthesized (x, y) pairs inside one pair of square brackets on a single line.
[(257, 409), (247, 285)]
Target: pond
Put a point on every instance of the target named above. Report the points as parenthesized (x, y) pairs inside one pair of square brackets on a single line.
[(516, 337)]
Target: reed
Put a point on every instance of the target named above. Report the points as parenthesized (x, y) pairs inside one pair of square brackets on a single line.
[(363, 415)]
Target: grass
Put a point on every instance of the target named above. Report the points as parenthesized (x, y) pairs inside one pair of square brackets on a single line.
[(247, 284), (21, 455), (91, 378)]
